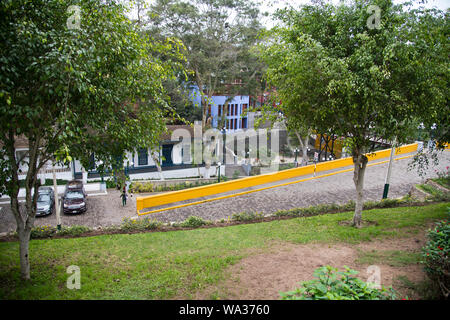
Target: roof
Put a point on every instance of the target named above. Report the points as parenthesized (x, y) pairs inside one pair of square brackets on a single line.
[(171, 128)]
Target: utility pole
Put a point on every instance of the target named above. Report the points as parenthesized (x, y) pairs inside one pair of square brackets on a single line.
[(388, 176), (55, 187)]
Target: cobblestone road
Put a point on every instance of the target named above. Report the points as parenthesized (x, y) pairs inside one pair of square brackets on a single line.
[(339, 188)]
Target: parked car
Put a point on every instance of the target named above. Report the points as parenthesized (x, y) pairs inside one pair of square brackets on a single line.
[(45, 201), (74, 199)]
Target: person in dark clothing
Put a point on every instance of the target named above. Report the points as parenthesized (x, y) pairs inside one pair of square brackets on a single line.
[(124, 198)]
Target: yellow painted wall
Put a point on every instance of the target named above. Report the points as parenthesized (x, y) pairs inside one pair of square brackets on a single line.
[(203, 191)]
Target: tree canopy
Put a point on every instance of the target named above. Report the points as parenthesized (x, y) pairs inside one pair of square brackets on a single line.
[(340, 73), (75, 80), (218, 35)]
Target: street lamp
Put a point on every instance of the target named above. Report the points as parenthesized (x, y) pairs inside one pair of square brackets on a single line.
[(224, 148), (219, 164), (100, 164), (57, 206), (296, 154)]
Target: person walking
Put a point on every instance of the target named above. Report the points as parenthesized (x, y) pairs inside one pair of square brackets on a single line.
[(124, 198)]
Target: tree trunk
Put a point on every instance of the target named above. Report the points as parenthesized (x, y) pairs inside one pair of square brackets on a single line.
[(360, 161), (158, 166), (24, 238), (304, 145)]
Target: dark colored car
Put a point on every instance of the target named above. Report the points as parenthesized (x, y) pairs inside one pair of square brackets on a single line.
[(74, 199), (45, 201)]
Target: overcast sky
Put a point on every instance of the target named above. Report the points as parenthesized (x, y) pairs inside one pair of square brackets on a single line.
[(272, 5)]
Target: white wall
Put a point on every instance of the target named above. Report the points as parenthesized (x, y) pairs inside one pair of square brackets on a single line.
[(181, 173)]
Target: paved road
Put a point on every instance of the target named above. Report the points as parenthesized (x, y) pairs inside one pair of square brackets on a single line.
[(108, 210), (337, 188)]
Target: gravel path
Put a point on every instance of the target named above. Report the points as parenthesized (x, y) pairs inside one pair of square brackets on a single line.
[(107, 209), (102, 210)]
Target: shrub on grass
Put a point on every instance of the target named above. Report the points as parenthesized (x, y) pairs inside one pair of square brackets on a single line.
[(193, 222), (247, 216), (139, 224), (435, 255), (74, 230), (334, 285), (40, 232), (435, 194)]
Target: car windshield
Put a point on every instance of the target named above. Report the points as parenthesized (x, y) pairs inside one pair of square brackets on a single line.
[(43, 198), (74, 195)]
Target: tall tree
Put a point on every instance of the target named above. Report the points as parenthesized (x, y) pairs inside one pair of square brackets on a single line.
[(359, 71), (74, 80), (218, 35)]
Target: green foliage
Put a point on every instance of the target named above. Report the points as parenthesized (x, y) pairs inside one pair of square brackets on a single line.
[(236, 174), (139, 224), (143, 187), (41, 232), (435, 194), (435, 255), (193, 222), (339, 76), (247, 216), (332, 284), (349, 206), (218, 47), (73, 92), (74, 230), (346, 81), (182, 262)]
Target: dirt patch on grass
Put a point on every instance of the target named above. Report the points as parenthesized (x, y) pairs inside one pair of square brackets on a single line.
[(263, 276)]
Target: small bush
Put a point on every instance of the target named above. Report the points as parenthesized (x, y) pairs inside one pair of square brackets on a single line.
[(247, 216), (40, 232), (349, 206), (435, 194), (193, 222), (435, 255), (74, 230), (139, 224), (333, 285), (236, 174)]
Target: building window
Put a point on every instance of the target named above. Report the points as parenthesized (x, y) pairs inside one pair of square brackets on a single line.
[(244, 123), (244, 107), (143, 157), (219, 110), (236, 109), (235, 124)]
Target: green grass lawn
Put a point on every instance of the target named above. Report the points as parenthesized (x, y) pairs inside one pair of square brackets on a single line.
[(164, 265)]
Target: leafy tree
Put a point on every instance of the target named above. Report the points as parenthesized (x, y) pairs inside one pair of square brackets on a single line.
[(73, 81), (343, 69), (218, 35)]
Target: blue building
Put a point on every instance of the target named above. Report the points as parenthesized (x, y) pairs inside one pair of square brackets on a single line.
[(234, 116)]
